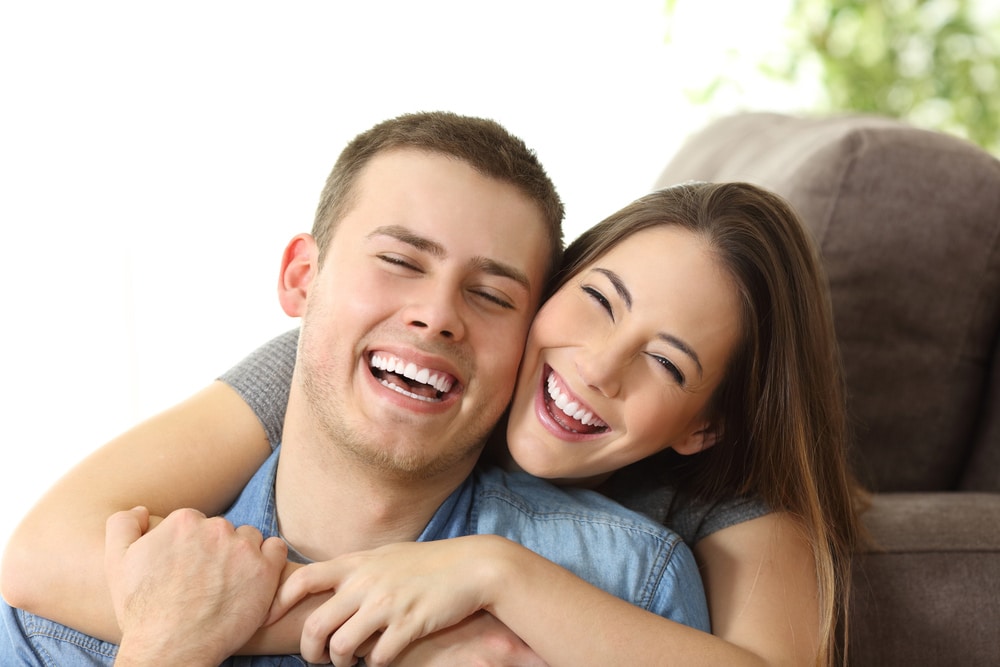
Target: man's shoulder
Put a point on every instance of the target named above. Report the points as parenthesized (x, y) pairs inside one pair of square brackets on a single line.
[(519, 497), (614, 548)]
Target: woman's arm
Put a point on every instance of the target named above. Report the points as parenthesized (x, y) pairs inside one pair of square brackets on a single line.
[(198, 454), (759, 574), (760, 580)]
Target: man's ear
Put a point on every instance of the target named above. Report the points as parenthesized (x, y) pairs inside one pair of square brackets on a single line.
[(299, 265), (700, 439)]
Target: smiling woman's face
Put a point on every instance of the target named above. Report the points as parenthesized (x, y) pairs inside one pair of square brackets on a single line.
[(622, 361)]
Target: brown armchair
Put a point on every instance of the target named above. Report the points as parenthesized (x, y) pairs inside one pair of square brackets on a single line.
[(908, 225)]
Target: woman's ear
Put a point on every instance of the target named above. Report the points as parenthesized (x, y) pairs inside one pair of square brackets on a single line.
[(299, 265), (700, 439)]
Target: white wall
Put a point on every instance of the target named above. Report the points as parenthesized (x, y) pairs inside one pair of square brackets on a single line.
[(155, 157)]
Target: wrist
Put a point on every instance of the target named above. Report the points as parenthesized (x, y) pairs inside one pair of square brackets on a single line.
[(499, 564), (140, 651)]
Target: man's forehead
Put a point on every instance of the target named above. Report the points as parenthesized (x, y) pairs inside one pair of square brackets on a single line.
[(442, 203)]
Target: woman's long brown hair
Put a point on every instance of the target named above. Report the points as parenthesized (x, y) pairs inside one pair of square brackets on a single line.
[(780, 410)]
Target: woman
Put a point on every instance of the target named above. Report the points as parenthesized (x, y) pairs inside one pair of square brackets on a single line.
[(694, 322)]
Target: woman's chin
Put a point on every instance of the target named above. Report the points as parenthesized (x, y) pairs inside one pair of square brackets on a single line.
[(535, 458)]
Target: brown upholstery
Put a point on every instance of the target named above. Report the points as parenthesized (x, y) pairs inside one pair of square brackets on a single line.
[(908, 224)]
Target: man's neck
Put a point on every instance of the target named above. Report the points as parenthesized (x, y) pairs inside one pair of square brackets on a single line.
[(339, 505)]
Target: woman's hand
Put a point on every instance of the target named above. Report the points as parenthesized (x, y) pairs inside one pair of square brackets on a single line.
[(477, 640), (387, 598)]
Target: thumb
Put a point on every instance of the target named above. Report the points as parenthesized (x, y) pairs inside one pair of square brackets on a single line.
[(121, 530), (275, 551), (290, 591)]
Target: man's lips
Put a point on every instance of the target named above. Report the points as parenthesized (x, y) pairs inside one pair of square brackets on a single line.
[(567, 409), (410, 379)]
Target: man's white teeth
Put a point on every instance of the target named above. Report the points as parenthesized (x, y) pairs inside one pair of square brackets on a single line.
[(396, 388), (571, 408), (411, 371)]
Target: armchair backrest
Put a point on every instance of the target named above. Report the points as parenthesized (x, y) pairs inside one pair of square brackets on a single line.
[(908, 224)]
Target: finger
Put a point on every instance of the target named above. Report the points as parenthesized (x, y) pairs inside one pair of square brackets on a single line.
[(382, 650), (186, 514), (365, 648), (312, 578), (363, 633), (182, 520), (275, 552), (289, 593), (320, 625), (251, 534)]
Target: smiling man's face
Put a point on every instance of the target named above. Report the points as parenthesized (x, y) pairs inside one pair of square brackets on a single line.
[(415, 325)]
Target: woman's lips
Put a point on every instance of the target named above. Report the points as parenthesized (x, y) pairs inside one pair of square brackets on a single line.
[(565, 410)]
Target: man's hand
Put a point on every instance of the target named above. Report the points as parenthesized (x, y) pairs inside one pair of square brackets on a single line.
[(190, 592)]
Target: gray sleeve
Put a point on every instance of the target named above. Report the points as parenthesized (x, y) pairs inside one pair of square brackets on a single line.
[(263, 378), (695, 519), (652, 487)]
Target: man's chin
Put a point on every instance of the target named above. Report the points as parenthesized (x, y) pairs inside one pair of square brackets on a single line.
[(413, 459)]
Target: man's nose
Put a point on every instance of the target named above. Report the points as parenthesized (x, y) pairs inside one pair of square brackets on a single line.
[(437, 311)]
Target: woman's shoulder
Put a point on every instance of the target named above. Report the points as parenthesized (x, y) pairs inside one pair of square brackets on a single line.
[(262, 380), (654, 487)]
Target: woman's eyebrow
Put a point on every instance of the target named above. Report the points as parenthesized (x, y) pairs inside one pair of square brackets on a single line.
[(619, 286), (676, 342), (670, 339)]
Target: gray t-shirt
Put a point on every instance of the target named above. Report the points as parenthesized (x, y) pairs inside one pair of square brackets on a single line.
[(263, 377)]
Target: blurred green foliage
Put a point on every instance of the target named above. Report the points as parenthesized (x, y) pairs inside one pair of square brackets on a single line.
[(935, 63)]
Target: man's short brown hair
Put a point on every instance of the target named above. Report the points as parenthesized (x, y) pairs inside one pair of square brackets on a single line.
[(482, 143)]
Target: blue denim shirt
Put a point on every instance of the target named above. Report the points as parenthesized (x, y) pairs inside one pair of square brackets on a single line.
[(615, 549)]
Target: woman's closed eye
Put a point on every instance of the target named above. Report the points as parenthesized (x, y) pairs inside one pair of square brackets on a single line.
[(670, 368), (596, 295)]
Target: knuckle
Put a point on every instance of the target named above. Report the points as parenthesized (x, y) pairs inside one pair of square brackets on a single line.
[(340, 646), (187, 514), (503, 642), (250, 532), (314, 628)]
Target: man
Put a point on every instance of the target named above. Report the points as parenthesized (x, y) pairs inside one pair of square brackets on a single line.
[(433, 241)]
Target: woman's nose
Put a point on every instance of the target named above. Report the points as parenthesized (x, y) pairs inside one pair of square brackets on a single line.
[(601, 367)]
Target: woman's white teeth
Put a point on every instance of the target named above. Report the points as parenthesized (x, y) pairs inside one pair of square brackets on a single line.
[(569, 407), (411, 371)]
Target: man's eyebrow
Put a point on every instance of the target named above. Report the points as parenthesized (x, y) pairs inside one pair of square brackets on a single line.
[(424, 244), (502, 270), (670, 339), (409, 237)]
